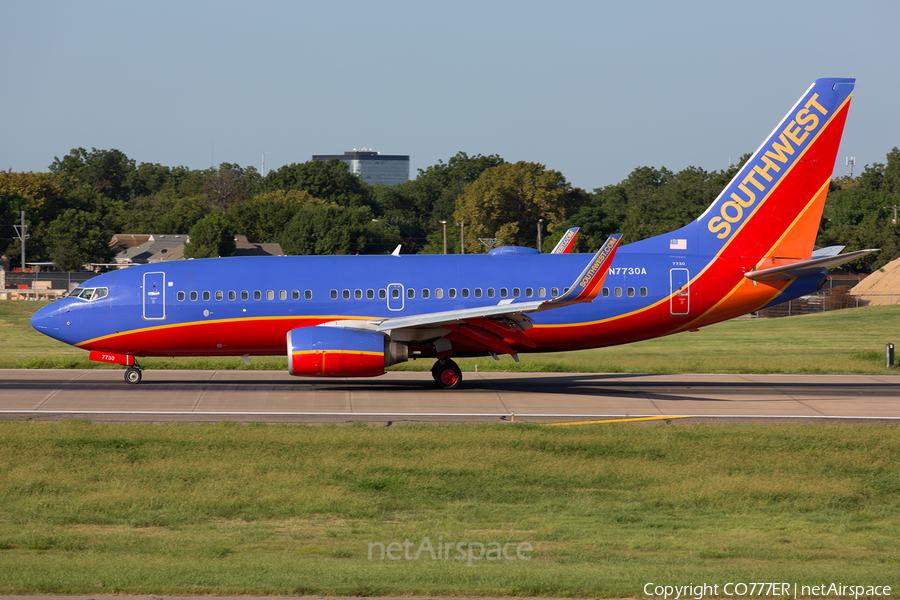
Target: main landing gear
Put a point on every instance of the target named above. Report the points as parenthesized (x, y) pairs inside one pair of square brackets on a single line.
[(446, 374)]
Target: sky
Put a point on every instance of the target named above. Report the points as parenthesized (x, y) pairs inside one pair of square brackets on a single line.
[(593, 89)]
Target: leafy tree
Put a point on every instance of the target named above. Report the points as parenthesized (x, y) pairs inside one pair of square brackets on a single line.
[(507, 201), (77, 238), (859, 214), (107, 171), (210, 237), (263, 218), (416, 207), (164, 213), (41, 196), (649, 202), (230, 184), (331, 229), (330, 180)]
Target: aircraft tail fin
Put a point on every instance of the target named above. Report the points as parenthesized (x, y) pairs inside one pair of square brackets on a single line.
[(565, 243), (770, 211)]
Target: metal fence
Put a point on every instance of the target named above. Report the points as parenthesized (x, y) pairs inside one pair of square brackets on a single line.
[(826, 300), (17, 280)]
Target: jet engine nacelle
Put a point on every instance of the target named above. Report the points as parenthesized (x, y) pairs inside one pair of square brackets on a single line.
[(322, 351)]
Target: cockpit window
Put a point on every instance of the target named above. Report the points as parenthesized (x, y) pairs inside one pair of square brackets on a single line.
[(89, 293)]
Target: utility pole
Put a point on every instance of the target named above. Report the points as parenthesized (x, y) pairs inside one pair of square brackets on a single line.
[(444, 223), (462, 237), (895, 207), (22, 233), (540, 222)]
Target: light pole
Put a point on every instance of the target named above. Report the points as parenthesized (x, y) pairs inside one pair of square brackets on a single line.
[(462, 237), (444, 223), (540, 222)]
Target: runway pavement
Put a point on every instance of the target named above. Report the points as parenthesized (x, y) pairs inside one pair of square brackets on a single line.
[(400, 397)]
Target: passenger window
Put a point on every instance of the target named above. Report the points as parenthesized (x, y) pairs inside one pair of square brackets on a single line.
[(382, 294), (245, 295), (643, 291), (451, 293), (542, 292), (395, 293), (282, 295), (631, 292), (270, 294), (231, 295), (478, 292), (295, 294), (425, 293), (565, 290), (618, 292), (205, 296), (516, 292), (193, 296), (410, 293), (503, 292), (357, 294), (438, 293), (605, 292), (308, 294), (529, 292), (257, 295), (465, 292), (490, 292), (334, 294), (370, 294), (345, 294), (180, 296), (220, 295), (554, 292)]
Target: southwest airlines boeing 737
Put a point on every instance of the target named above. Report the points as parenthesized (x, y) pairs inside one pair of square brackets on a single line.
[(352, 316)]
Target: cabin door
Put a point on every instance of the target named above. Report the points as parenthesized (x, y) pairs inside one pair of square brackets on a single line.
[(154, 296), (680, 292)]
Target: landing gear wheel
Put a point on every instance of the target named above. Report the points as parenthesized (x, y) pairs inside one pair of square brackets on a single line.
[(132, 375), (446, 374)]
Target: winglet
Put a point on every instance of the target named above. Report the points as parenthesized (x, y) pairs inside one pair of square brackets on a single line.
[(589, 283), (564, 245)]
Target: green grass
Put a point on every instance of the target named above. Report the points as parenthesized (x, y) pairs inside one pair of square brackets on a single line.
[(273, 509), (845, 341)]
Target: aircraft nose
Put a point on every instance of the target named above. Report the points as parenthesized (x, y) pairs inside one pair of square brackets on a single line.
[(46, 320)]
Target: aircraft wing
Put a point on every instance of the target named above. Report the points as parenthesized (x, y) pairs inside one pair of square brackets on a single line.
[(807, 267), (500, 320)]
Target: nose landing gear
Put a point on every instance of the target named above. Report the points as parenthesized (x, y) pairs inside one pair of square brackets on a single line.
[(133, 375)]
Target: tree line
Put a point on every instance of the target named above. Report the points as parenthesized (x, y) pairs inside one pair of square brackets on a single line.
[(316, 207)]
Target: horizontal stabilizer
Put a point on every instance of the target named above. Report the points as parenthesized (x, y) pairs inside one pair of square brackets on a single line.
[(807, 267)]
